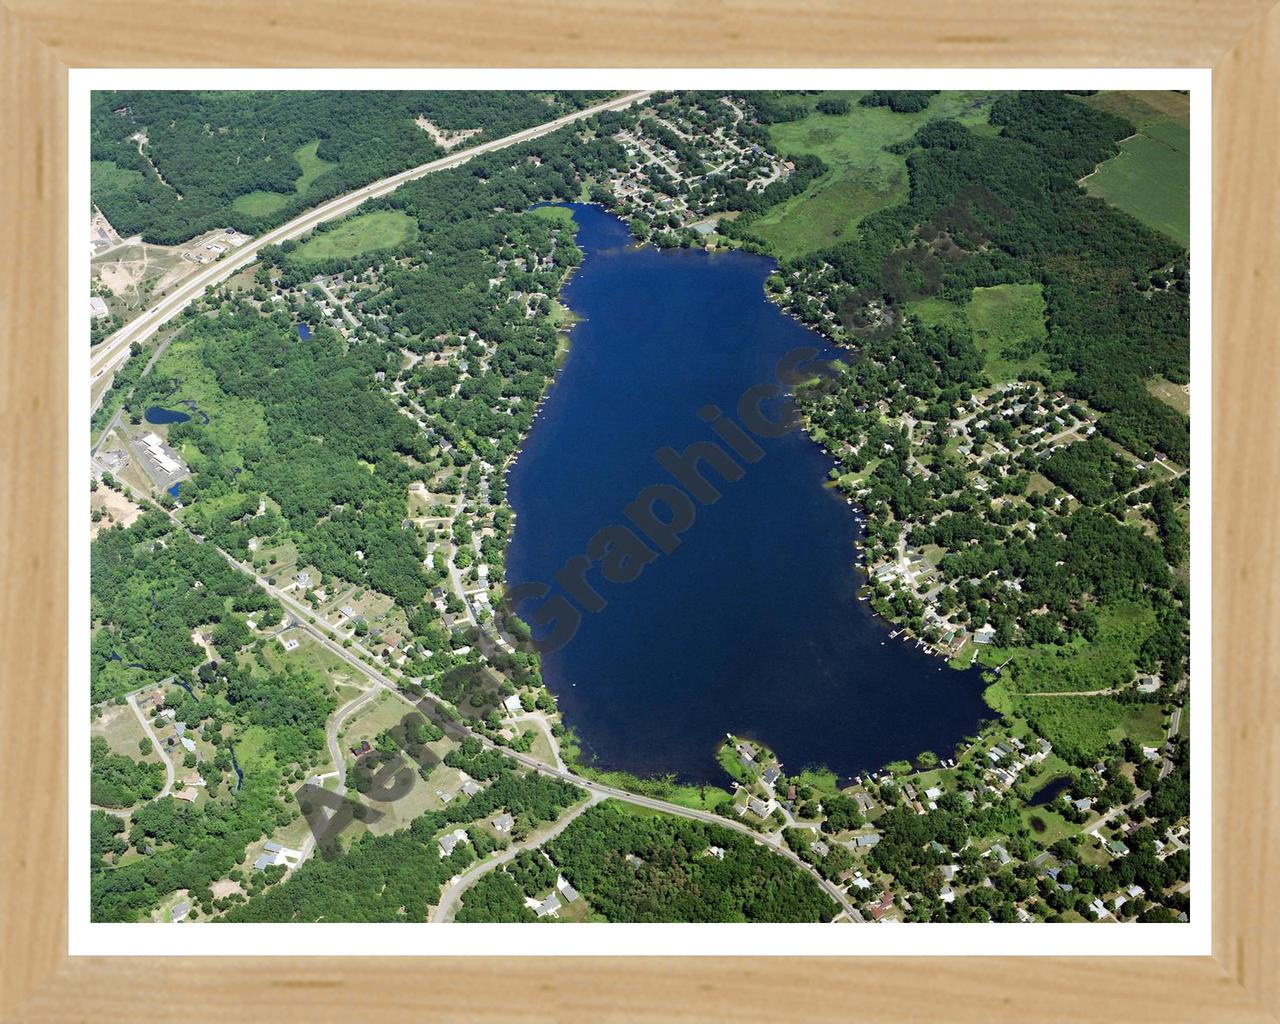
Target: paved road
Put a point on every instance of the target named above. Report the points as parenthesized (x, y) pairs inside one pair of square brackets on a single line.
[(115, 350), (463, 882)]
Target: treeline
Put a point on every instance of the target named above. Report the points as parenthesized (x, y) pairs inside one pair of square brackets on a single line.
[(900, 101), (205, 148), (643, 868), (150, 586)]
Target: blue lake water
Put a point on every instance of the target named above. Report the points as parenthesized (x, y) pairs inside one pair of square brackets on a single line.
[(155, 414), (752, 624)]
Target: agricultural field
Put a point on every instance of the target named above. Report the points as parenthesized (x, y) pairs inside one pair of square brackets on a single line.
[(1150, 177), (261, 203), (863, 177), (369, 232)]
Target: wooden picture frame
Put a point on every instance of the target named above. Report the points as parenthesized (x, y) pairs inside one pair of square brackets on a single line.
[(42, 39)]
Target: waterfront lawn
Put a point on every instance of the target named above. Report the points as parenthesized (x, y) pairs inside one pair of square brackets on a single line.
[(262, 203), (863, 177), (369, 232), (1009, 329), (559, 214), (698, 798)]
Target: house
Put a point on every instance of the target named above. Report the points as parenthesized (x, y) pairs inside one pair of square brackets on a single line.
[(715, 851), (447, 843), (186, 794), (503, 822), (759, 807), (566, 890), (1083, 804), (513, 705), (1099, 908), (274, 854), (883, 906), (770, 776), (365, 748), (179, 911), (98, 307), (548, 906), (869, 840), (820, 848), (471, 787), (932, 793), (985, 635)]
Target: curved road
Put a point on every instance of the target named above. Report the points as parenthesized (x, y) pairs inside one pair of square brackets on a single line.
[(115, 350), (461, 883)]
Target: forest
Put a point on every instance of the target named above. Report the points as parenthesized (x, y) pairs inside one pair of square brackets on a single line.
[(119, 781), (639, 867), (171, 164), (150, 586)]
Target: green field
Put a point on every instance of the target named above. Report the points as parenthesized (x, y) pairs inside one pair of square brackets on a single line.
[(1008, 328), (382, 229), (107, 176), (1150, 178), (261, 204), (560, 214), (862, 179), (1105, 662), (1007, 322)]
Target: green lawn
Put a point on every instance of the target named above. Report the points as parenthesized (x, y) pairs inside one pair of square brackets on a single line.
[(1150, 178), (556, 213), (382, 229), (261, 203), (862, 179), (1008, 328)]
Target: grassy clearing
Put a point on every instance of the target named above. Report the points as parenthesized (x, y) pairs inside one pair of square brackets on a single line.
[(382, 229), (1103, 663), (1170, 393), (108, 176), (262, 203), (1150, 178), (1008, 328), (863, 177), (554, 213)]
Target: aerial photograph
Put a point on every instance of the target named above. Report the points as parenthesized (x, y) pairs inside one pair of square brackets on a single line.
[(638, 506)]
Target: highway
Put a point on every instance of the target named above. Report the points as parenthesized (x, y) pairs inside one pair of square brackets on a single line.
[(115, 350)]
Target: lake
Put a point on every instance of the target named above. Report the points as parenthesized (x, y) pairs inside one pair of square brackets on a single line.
[(752, 624)]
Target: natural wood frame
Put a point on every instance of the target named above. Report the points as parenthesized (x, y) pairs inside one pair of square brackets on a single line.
[(41, 39)]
